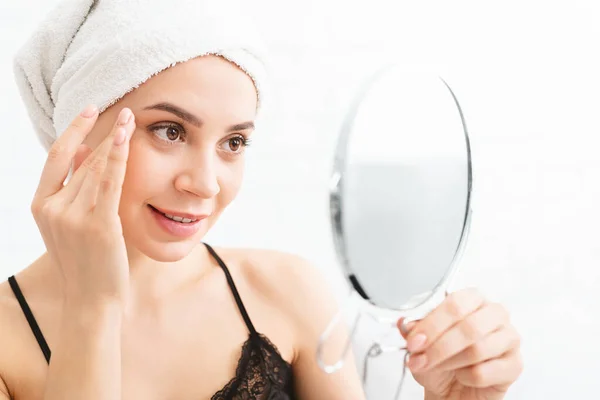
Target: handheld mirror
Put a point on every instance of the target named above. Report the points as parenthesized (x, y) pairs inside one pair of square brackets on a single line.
[(400, 195)]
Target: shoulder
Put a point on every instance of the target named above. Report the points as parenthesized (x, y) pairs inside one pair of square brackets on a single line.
[(10, 318), (301, 291), (273, 269), (20, 354), (276, 272), (289, 280)]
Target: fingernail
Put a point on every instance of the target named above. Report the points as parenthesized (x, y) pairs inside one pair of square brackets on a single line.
[(416, 343), (405, 328), (120, 136), (124, 116), (418, 362), (89, 111)]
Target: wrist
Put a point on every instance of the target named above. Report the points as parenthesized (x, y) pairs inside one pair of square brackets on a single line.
[(92, 315)]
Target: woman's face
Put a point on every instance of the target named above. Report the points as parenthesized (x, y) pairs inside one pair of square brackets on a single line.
[(186, 155)]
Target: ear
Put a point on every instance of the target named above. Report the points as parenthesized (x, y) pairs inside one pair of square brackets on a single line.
[(82, 153)]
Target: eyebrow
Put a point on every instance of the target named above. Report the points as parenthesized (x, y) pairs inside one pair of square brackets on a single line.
[(192, 119)]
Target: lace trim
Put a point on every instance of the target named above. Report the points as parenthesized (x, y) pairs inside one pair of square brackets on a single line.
[(261, 373)]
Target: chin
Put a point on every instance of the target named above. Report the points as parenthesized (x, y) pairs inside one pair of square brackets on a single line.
[(167, 252)]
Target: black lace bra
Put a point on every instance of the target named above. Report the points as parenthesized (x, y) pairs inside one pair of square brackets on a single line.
[(261, 373)]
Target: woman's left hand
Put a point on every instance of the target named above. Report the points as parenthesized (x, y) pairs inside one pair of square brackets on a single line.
[(465, 349)]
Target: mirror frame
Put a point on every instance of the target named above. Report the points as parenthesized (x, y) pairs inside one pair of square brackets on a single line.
[(336, 199)]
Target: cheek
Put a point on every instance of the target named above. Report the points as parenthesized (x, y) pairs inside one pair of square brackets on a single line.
[(230, 182), (147, 173)]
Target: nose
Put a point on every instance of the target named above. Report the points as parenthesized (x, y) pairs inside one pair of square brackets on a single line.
[(199, 177)]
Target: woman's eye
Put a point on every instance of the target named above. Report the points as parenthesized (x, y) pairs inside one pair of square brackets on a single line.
[(168, 133), (236, 144)]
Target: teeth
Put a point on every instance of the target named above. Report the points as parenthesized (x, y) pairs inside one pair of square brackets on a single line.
[(179, 219)]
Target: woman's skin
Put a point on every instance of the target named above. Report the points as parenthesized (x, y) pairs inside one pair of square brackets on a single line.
[(132, 311)]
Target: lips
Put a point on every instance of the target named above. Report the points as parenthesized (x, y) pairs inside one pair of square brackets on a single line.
[(179, 215), (179, 224)]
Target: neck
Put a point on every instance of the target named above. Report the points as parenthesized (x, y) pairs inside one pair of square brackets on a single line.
[(152, 282)]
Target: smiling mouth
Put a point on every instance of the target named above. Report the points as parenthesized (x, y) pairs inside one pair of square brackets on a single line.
[(182, 218)]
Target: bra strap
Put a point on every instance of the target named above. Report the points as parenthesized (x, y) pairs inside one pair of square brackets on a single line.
[(234, 290), (35, 328)]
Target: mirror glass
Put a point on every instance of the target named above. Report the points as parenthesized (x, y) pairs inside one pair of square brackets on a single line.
[(401, 186), (400, 204)]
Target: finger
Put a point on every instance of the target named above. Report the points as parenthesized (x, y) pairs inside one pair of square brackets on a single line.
[(492, 346), (93, 162), (405, 326), (80, 155), (109, 196), (83, 152), (456, 307), (474, 328), (97, 165), (62, 151), (499, 373)]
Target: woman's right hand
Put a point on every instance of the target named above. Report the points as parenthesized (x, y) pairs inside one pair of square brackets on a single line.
[(79, 221)]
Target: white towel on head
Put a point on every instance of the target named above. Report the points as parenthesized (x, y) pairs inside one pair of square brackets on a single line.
[(96, 51)]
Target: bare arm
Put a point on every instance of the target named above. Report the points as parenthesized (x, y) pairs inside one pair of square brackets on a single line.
[(86, 360), (313, 308)]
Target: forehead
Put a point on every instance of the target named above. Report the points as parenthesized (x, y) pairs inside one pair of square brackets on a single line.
[(208, 84)]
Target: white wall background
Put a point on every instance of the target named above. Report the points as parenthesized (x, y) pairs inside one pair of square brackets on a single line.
[(526, 73)]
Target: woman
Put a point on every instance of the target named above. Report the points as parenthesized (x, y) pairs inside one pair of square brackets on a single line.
[(128, 302)]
